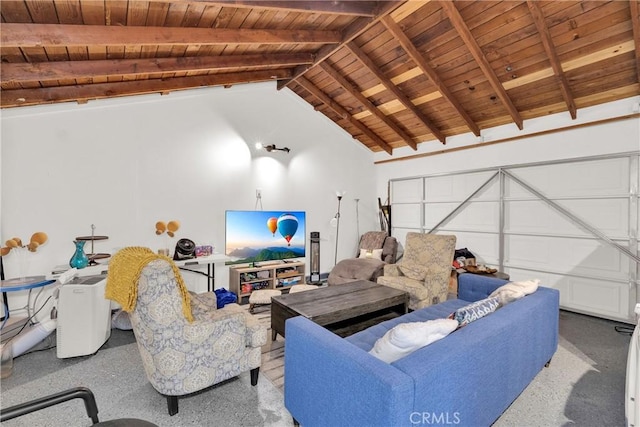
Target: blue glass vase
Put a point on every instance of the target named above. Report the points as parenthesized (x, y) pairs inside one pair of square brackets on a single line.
[(79, 259)]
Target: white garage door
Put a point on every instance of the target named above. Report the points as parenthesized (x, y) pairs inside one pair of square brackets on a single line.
[(572, 224)]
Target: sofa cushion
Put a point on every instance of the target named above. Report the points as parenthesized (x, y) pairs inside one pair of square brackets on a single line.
[(371, 253), (474, 311), (406, 338)]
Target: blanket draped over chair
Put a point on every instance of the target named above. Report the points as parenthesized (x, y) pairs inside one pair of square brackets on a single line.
[(124, 270)]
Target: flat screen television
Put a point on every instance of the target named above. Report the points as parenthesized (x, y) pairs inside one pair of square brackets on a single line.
[(259, 236)]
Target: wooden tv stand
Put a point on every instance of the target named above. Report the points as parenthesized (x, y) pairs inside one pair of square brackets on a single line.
[(278, 275)]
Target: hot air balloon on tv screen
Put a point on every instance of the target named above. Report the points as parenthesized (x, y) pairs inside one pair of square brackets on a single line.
[(272, 224), (287, 226)]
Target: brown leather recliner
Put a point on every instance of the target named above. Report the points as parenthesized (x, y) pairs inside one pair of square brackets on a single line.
[(377, 250)]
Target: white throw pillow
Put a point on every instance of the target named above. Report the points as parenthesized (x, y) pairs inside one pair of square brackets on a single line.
[(515, 290), (371, 253), (405, 338)]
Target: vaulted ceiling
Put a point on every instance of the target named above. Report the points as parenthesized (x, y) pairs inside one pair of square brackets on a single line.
[(391, 73)]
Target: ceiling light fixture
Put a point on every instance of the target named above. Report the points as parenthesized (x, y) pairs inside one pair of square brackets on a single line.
[(272, 147)]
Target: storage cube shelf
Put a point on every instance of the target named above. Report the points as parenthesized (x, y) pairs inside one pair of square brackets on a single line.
[(244, 280)]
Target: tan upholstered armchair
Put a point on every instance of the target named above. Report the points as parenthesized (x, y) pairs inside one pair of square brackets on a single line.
[(181, 356), (424, 270), (379, 249)]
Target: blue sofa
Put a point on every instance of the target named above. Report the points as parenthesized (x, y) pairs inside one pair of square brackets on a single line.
[(467, 378)]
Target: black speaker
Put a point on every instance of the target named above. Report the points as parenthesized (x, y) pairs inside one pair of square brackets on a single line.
[(315, 258)]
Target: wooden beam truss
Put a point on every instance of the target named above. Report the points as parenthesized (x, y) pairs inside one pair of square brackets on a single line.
[(40, 35), (355, 92), (547, 42), (413, 53), (482, 61), (22, 97), (344, 114), (404, 99), (59, 70)]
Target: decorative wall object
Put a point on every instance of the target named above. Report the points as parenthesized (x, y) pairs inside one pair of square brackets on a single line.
[(170, 228), (37, 239)]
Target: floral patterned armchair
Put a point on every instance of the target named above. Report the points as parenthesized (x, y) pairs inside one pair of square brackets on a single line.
[(182, 357), (424, 270)]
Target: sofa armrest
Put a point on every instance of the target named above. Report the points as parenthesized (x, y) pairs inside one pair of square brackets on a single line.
[(330, 382), (215, 324), (474, 287), (392, 270)]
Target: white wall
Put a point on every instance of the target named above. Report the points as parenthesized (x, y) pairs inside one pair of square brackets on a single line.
[(123, 164), (615, 137)]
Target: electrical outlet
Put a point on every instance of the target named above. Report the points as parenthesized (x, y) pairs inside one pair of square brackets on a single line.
[(258, 193)]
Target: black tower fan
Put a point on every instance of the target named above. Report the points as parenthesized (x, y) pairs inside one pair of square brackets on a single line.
[(315, 258)]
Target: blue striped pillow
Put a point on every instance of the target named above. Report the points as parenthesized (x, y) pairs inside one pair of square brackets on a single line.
[(475, 311)]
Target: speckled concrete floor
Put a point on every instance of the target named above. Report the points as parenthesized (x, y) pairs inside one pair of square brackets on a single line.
[(584, 386), (116, 377), (585, 382)]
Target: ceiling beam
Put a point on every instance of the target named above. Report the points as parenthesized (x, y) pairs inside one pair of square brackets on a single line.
[(549, 48), (407, 9), (82, 93), (40, 35), (417, 57), (635, 23), (404, 99), (395, 106), (60, 70), (356, 28), (357, 8), (351, 89), (344, 114), (468, 39)]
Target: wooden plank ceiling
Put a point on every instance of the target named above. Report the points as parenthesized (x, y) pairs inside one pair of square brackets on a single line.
[(390, 73)]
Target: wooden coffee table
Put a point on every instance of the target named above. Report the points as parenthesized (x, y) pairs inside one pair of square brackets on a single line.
[(336, 304)]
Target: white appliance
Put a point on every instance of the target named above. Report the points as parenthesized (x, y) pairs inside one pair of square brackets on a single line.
[(84, 317), (632, 392)]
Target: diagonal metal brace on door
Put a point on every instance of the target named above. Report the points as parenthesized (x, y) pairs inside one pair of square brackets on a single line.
[(591, 229), (464, 202)]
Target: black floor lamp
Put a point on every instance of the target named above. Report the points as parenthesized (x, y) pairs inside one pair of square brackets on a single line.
[(336, 221)]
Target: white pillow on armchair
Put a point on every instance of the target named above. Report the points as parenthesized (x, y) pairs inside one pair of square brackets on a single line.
[(371, 253)]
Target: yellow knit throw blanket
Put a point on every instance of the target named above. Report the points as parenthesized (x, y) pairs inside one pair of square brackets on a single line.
[(124, 270)]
